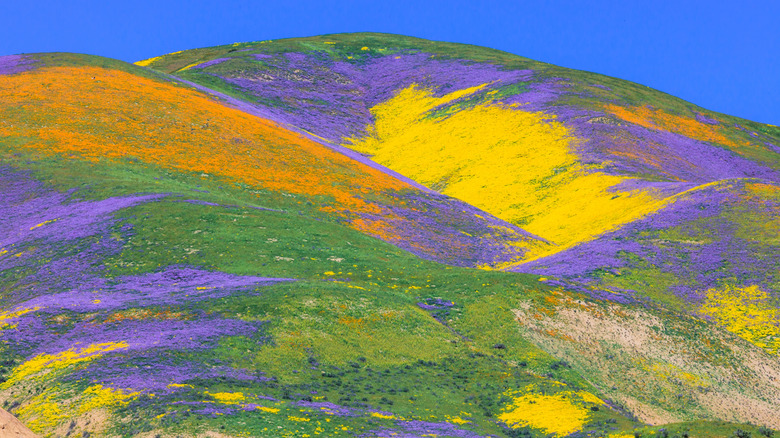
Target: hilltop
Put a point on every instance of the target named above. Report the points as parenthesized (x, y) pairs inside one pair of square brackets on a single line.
[(377, 235)]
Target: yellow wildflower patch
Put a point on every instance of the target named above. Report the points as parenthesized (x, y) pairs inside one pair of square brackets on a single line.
[(98, 396), (42, 224), (673, 373), (227, 397), (457, 420), (292, 418), (383, 416), (190, 66), (42, 414), (770, 191), (561, 413), (748, 312), (590, 398), (147, 62), (44, 362), (6, 316)]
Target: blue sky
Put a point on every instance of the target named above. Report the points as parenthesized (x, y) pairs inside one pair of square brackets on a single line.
[(715, 54)]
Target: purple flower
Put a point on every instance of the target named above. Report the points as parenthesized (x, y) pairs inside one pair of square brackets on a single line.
[(211, 62), (418, 429), (16, 64), (435, 304), (707, 120), (156, 371)]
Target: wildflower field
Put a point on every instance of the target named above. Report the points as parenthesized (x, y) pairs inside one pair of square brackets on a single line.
[(369, 235)]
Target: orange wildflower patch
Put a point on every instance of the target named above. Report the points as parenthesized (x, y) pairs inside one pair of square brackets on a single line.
[(762, 190), (96, 114), (660, 119), (357, 323), (650, 154), (376, 227), (145, 314)]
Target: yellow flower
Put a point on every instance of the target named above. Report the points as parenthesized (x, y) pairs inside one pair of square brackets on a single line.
[(230, 398), (747, 312), (383, 416), (44, 362), (99, 397), (5, 316), (561, 413)]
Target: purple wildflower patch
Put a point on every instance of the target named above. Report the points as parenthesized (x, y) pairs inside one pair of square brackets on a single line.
[(435, 304), (636, 150), (706, 120), (16, 64), (418, 429), (155, 372), (211, 63)]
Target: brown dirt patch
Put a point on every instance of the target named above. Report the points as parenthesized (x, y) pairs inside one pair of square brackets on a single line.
[(11, 427)]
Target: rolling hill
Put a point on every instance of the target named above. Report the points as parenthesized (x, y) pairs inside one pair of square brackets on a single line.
[(373, 235)]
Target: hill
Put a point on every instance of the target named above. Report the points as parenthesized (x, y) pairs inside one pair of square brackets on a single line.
[(280, 239)]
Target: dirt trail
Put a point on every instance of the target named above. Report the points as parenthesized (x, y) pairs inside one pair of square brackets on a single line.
[(10, 427)]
